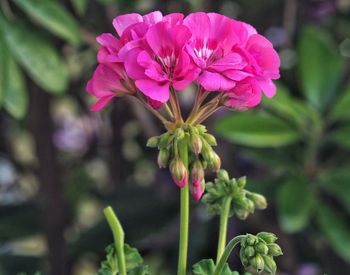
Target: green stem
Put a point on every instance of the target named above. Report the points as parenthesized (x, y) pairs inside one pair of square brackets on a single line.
[(118, 234), (223, 227), (231, 245), (184, 214)]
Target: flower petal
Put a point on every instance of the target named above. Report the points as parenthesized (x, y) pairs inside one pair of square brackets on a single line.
[(153, 89), (120, 23), (101, 103), (215, 82)]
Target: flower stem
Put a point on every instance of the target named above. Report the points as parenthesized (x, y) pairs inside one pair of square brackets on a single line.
[(184, 214), (231, 245), (223, 227), (118, 234)]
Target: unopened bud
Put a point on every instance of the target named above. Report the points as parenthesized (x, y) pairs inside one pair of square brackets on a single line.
[(259, 200), (267, 237), (196, 144), (153, 142), (207, 153), (257, 262), (249, 251), (164, 140), (179, 133), (197, 173), (274, 250), (178, 172), (242, 213), (215, 164), (270, 264), (261, 248), (251, 240), (210, 139), (223, 175), (196, 191), (250, 205), (241, 182), (201, 128), (163, 158)]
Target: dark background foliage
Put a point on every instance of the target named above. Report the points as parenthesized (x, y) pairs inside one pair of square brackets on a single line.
[(60, 165)]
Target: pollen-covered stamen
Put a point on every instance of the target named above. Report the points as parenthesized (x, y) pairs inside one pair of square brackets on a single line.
[(205, 49), (168, 61)]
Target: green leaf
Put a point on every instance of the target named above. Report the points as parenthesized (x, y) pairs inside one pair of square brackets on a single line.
[(12, 88), (336, 228), (341, 136), (54, 17), (341, 110), (207, 267), (257, 130), (140, 270), (80, 6), (336, 181), (320, 66), (110, 266), (37, 56), (295, 201)]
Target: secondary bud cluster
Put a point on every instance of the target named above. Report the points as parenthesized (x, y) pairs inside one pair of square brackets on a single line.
[(258, 252), (201, 155), (243, 202)]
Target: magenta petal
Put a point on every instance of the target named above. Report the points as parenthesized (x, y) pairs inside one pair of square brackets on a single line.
[(174, 18), (132, 67), (120, 23), (228, 62), (199, 24), (215, 82), (153, 89), (107, 40), (153, 17), (236, 75), (268, 87), (101, 103)]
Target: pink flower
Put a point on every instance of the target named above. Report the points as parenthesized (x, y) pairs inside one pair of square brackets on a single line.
[(211, 49), (105, 84), (262, 65), (162, 62)]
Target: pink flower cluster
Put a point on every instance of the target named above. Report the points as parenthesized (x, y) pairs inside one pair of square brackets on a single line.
[(155, 53)]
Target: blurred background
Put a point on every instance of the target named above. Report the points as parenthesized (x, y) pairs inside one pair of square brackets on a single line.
[(60, 164)]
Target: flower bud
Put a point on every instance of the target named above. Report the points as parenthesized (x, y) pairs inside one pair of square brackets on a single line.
[(250, 205), (207, 153), (163, 158), (261, 248), (251, 240), (274, 250), (223, 175), (178, 172), (257, 262), (164, 140), (196, 191), (179, 133), (153, 142), (270, 264), (210, 139), (215, 164), (242, 213), (267, 237), (196, 144), (197, 173), (259, 200), (242, 182), (201, 128), (249, 251)]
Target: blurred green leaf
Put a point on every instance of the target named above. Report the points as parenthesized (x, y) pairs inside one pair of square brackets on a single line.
[(38, 57), (337, 182), (341, 136), (12, 88), (80, 6), (207, 267), (295, 203), (320, 66), (336, 228), (341, 110), (140, 270), (257, 130), (54, 17)]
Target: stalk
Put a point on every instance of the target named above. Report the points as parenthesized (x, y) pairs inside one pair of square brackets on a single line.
[(223, 228), (118, 235), (184, 214), (231, 245)]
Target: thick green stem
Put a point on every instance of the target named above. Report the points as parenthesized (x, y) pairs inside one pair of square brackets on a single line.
[(118, 234), (184, 214), (231, 245), (223, 227)]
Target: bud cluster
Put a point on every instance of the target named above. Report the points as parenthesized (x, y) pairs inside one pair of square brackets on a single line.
[(243, 202), (258, 252), (201, 155)]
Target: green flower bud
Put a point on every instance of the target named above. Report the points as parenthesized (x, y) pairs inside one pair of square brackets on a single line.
[(207, 153), (210, 139), (179, 133), (196, 144), (251, 239), (201, 129), (250, 205), (270, 264), (261, 248), (164, 140), (249, 251), (267, 237), (178, 172), (259, 200), (163, 158), (215, 164), (241, 182), (244, 259), (153, 142), (257, 262), (223, 175), (242, 214), (274, 250)]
